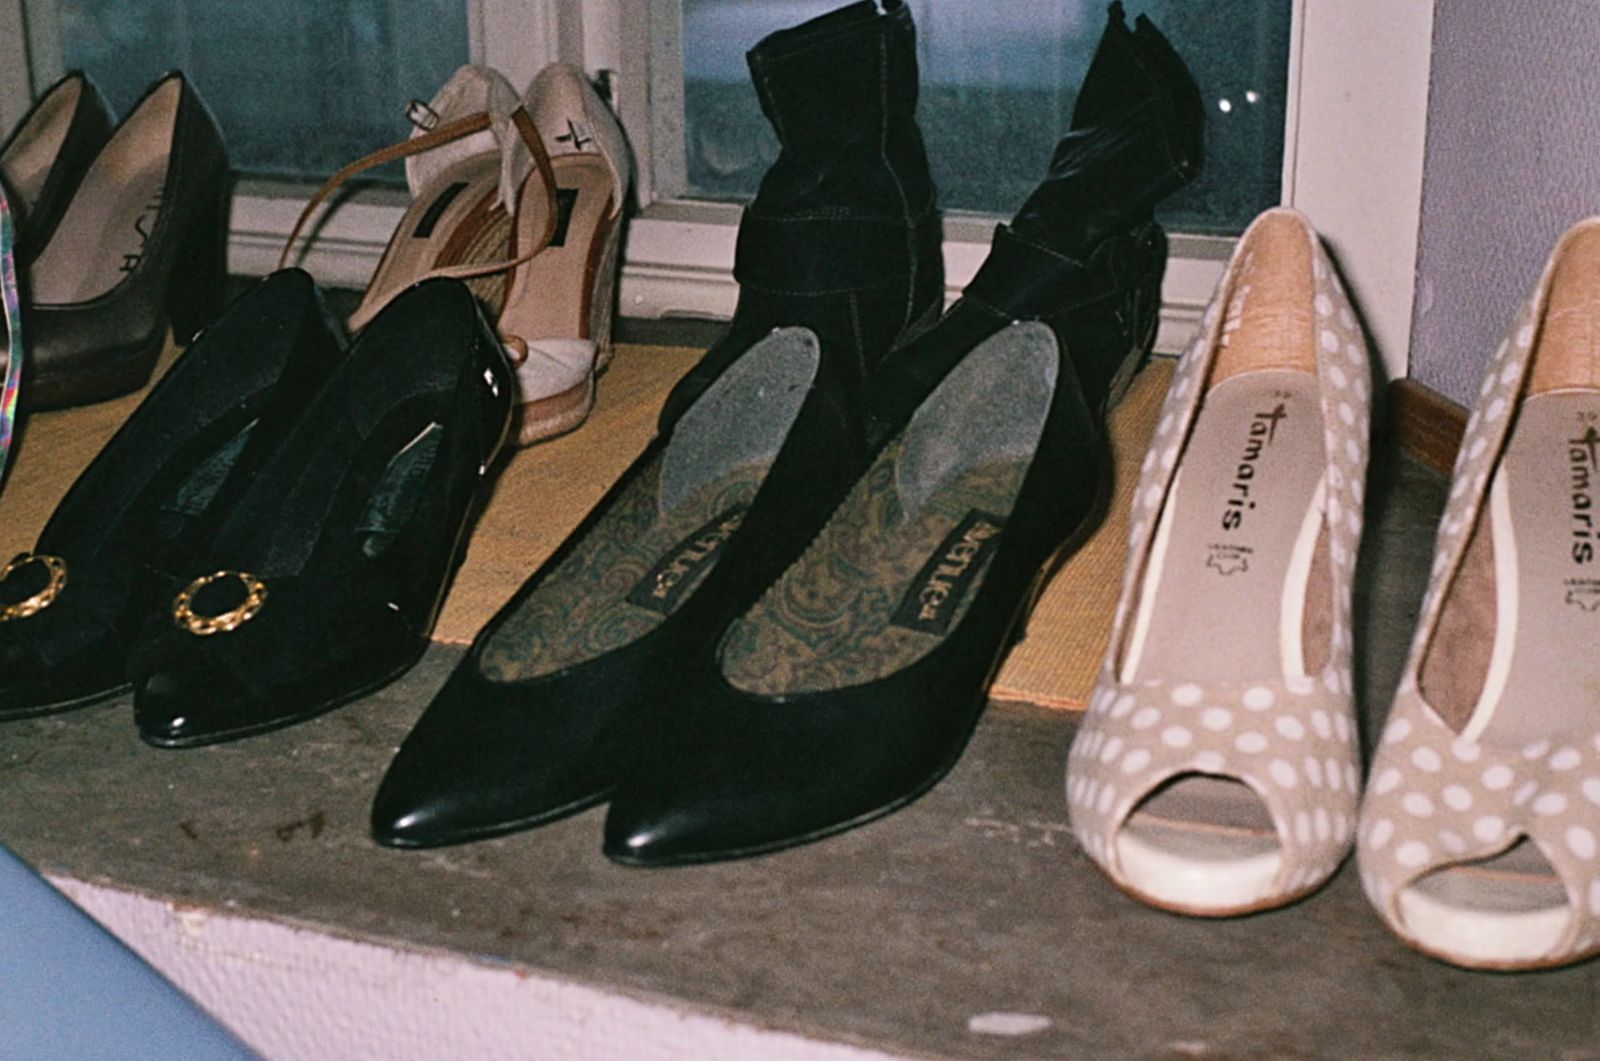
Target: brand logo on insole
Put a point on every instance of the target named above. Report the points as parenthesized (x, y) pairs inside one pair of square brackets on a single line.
[(144, 224), (944, 581), (1263, 429), (1228, 559), (676, 573), (1583, 467), (1583, 593)]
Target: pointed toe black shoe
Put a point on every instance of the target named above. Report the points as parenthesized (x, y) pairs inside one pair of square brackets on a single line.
[(324, 581), (71, 608), (561, 690), (853, 684)]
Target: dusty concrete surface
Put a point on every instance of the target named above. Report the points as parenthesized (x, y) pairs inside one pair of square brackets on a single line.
[(975, 900)]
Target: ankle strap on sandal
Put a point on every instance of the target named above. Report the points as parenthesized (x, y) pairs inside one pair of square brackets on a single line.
[(444, 134)]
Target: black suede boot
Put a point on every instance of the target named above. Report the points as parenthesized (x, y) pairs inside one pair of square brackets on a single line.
[(1084, 254), (843, 236)]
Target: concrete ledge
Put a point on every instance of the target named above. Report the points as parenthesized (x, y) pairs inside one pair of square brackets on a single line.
[(967, 925)]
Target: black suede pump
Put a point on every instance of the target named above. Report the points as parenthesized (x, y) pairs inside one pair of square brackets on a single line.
[(155, 495)]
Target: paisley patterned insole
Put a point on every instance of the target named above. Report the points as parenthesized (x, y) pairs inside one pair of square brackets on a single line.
[(635, 567), (879, 587)]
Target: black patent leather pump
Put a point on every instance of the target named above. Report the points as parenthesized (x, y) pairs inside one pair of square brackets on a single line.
[(326, 578), (70, 609)]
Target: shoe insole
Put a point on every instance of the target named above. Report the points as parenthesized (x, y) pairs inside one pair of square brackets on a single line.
[(33, 149), (636, 566), (458, 221), (101, 238), (550, 296), (399, 491), (1544, 525), (1225, 596), (903, 558), (877, 589), (1544, 508), (663, 535)]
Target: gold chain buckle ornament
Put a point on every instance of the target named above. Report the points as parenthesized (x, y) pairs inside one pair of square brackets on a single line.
[(55, 569), (255, 595)]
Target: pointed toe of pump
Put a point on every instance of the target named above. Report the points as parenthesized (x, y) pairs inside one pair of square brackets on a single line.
[(427, 803), (164, 707), (486, 760), (23, 682), (186, 705), (639, 833), (405, 817)]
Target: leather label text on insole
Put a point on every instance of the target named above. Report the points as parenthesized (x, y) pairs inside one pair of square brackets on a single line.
[(680, 569), (944, 581)]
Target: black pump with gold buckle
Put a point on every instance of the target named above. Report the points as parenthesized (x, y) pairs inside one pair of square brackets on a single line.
[(104, 562), (324, 581)]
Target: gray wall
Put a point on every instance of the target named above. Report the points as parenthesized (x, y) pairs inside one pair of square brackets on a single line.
[(1513, 158)]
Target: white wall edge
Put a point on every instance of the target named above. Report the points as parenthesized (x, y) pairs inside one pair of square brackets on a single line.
[(290, 991), (1355, 146)]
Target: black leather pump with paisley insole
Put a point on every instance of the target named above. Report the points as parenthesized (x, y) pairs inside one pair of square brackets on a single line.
[(554, 699), (155, 494), (326, 579), (854, 683)]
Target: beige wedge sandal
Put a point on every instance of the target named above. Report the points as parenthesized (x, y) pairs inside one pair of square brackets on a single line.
[(522, 200), (1480, 833), (1216, 770)]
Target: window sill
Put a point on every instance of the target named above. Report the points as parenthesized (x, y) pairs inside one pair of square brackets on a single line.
[(678, 260)]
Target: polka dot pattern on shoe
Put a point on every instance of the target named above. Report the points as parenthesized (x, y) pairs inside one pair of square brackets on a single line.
[(1292, 739), (1483, 795)]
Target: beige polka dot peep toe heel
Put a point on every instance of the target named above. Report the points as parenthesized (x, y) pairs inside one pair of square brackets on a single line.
[(1216, 770), (1480, 827)]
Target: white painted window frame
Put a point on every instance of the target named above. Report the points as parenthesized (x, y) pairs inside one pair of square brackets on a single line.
[(1354, 139)]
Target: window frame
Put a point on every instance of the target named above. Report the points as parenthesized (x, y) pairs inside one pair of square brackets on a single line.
[(1354, 138)]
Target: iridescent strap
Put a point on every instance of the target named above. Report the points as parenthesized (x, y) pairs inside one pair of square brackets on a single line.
[(11, 352)]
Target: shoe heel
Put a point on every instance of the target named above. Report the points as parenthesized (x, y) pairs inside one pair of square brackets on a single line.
[(199, 276), (603, 299)]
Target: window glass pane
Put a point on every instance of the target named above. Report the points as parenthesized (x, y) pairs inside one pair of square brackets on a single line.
[(998, 83), (300, 87)]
